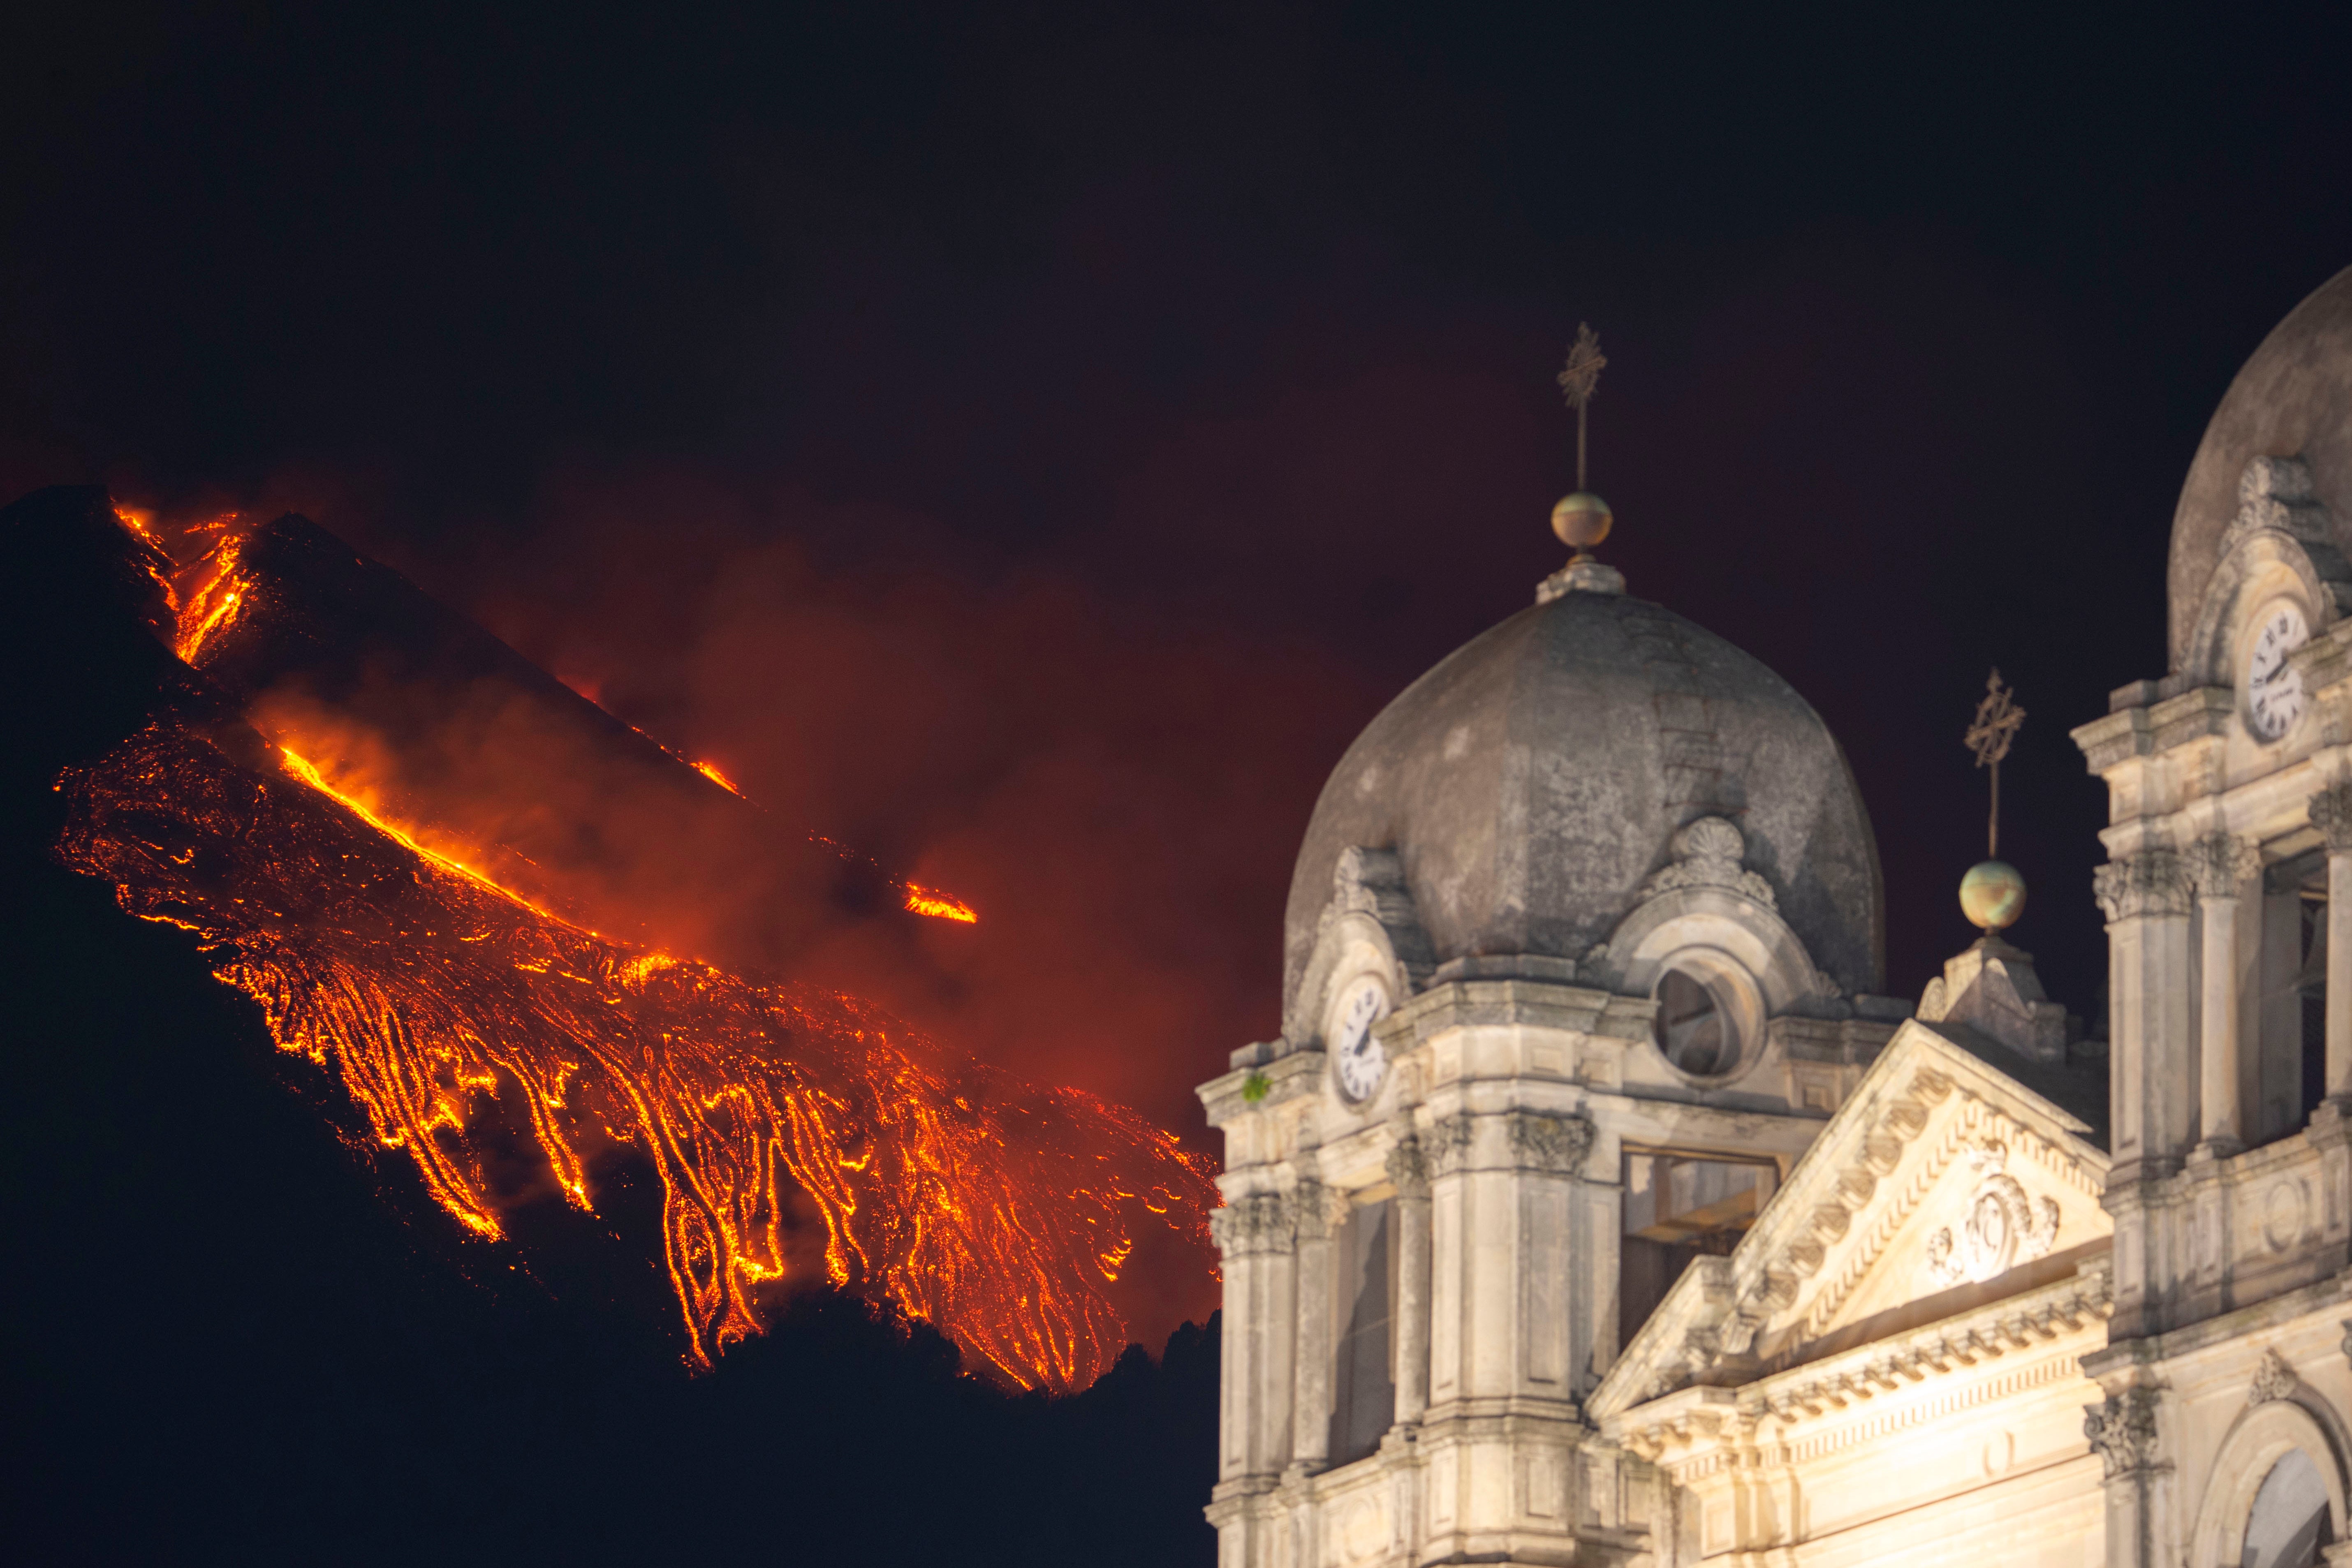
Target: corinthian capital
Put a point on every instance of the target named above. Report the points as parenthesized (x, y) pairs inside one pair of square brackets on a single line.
[(2331, 813), (1311, 1206), (1449, 1143), (2123, 1430), (2153, 881), (2222, 864), (1260, 1222), (1551, 1142), (1409, 1168)]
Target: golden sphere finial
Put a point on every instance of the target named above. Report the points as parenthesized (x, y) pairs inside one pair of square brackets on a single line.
[(1992, 894), (1581, 520)]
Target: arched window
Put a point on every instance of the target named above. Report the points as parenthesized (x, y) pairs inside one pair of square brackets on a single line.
[(2289, 1521)]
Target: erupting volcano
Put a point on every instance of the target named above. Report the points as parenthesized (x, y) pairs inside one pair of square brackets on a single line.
[(467, 963)]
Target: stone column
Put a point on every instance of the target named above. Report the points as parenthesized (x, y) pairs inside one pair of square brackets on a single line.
[(1310, 1421), (2219, 866), (1410, 1172), (1257, 1236), (2123, 1432), (2331, 813), (2145, 897)]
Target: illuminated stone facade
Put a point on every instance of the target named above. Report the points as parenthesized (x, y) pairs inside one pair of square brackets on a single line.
[(1592, 1207)]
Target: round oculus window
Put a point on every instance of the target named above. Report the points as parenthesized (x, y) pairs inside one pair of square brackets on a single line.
[(1696, 1028)]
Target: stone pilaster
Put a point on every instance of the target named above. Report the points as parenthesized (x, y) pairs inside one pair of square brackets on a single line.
[(2331, 813), (2220, 867), (1453, 1260), (1548, 1155), (1311, 1361), (2123, 1432), (1507, 1321), (1409, 1169), (1257, 1235), (2147, 897)]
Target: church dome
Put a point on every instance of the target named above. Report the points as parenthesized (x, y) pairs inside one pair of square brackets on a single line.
[(2291, 398), (1532, 784)]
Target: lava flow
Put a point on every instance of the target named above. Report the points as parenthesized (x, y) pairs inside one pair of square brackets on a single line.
[(455, 1007), (996, 1212)]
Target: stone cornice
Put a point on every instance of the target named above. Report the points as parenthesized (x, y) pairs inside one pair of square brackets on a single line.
[(2118, 738), (1286, 1078), (1455, 1004), (1821, 1405), (2126, 1358), (2142, 731)]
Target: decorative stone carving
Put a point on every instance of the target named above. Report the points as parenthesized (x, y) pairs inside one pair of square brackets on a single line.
[(2276, 493), (1449, 1143), (1260, 1223), (1551, 1142), (1372, 881), (1409, 1168), (2123, 1430), (2153, 881), (2331, 813), (1707, 853), (2273, 1379), (2004, 1226), (1312, 1210), (2221, 865)]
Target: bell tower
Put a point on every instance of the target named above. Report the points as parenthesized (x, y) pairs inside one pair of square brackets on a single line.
[(2228, 897), (1580, 957)]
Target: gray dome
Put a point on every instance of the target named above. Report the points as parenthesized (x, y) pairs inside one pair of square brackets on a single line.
[(1532, 782), (2294, 398)]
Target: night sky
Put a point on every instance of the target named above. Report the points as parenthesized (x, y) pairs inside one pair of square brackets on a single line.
[(1028, 442)]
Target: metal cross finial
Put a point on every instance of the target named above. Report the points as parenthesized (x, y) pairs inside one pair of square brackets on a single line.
[(1577, 381), (1996, 721)]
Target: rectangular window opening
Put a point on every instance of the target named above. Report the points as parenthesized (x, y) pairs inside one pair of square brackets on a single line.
[(1680, 1206), (2290, 1074), (1364, 1267)]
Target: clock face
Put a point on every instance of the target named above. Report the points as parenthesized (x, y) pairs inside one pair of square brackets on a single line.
[(1356, 1056), (2274, 687)]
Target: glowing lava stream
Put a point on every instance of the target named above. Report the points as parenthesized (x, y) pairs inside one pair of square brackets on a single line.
[(928, 901), (997, 1211), (711, 770), (219, 592), (938, 905)]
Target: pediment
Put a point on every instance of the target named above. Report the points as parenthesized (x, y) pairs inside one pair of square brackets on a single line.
[(1941, 1185)]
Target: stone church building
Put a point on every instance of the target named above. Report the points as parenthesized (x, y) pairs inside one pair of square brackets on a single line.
[(1597, 1205)]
